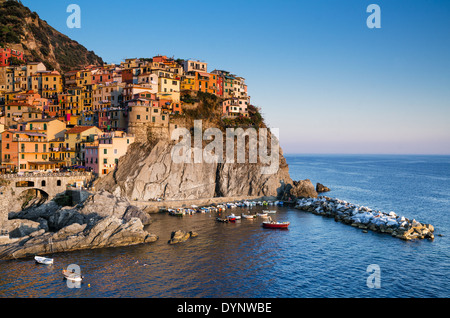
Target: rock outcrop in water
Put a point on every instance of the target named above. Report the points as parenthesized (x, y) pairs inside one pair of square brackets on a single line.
[(103, 220), (320, 188), (181, 236), (366, 218)]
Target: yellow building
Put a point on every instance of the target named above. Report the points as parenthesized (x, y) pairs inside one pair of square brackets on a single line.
[(75, 137), (188, 83), (51, 127), (169, 86), (51, 84)]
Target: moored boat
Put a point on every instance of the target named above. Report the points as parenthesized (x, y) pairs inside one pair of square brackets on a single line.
[(275, 225), (263, 215), (72, 276), (247, 216), (43, 260)]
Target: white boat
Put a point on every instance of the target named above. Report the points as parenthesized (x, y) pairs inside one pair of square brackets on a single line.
[(43, 260), (263, 215), (247, 216), (72, 276), (271, 212), (236, 217)]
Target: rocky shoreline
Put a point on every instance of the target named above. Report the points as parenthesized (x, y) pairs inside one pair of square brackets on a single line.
[(367, 219), (103, 220), (106, 219)]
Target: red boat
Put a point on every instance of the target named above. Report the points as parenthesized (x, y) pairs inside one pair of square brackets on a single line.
[(275, 225)]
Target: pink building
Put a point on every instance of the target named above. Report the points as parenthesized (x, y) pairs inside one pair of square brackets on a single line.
[(103, 155)]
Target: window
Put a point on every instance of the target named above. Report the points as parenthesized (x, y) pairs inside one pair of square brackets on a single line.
[(58, 183), (105, 161), (105, 151)]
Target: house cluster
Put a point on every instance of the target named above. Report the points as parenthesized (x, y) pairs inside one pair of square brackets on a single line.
[(87, 118)]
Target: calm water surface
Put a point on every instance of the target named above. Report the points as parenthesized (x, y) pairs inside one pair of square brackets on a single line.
[(316, 257)]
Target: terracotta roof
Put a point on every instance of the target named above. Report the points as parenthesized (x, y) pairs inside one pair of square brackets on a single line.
[(78, 129)]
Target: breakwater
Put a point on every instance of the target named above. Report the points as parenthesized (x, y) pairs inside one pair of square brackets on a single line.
[(366, 218)]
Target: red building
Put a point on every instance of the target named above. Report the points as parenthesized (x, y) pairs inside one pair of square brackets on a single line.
[(6, 54)]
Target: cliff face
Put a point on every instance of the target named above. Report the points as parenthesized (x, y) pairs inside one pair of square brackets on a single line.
[(23, 30), (147, 173)]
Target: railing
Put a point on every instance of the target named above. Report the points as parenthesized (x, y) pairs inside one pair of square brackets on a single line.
[(45, 175)]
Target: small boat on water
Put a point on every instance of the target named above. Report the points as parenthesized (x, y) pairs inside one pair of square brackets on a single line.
[(72, 276), (272, 212), (275, 225), (177, 212), (222, 220), (247, 216), (263, 215), (43, 260)]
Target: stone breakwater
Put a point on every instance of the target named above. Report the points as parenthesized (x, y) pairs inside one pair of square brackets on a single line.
[(367, 219)]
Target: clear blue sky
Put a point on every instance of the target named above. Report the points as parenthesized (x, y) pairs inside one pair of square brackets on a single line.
[(331, 84)]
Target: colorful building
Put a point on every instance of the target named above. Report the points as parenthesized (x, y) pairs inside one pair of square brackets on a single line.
[(103, 155), (7, 54)]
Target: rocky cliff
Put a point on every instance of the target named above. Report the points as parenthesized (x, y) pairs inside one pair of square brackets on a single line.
[(148, 172)]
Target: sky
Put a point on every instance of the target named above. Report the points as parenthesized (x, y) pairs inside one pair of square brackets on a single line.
[(329, 82)]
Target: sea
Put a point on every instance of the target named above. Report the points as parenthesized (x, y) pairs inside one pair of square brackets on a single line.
[(315, 258)]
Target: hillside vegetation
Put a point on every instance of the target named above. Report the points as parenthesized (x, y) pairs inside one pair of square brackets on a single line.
[(23, 30)]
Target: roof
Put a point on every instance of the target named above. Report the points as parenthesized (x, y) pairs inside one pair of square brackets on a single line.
[(79, 129), (43, 120)]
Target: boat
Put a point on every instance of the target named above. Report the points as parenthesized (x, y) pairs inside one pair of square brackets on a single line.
[(272, 212), (222, 220), (72, 276), (263, 215), (176, 212), (43, 260), (275, 225), (247, 216), (236, 217)]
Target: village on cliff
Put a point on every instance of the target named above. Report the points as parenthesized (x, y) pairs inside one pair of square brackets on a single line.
[(86, 119)]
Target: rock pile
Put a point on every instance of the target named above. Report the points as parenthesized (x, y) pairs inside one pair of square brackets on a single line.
[(367, 219)]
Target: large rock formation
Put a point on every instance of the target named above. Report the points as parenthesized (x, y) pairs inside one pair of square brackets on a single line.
[(103, 220), (108, 232), (147, 173)]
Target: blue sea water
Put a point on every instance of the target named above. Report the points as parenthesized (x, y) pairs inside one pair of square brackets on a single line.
[(316, 258)]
